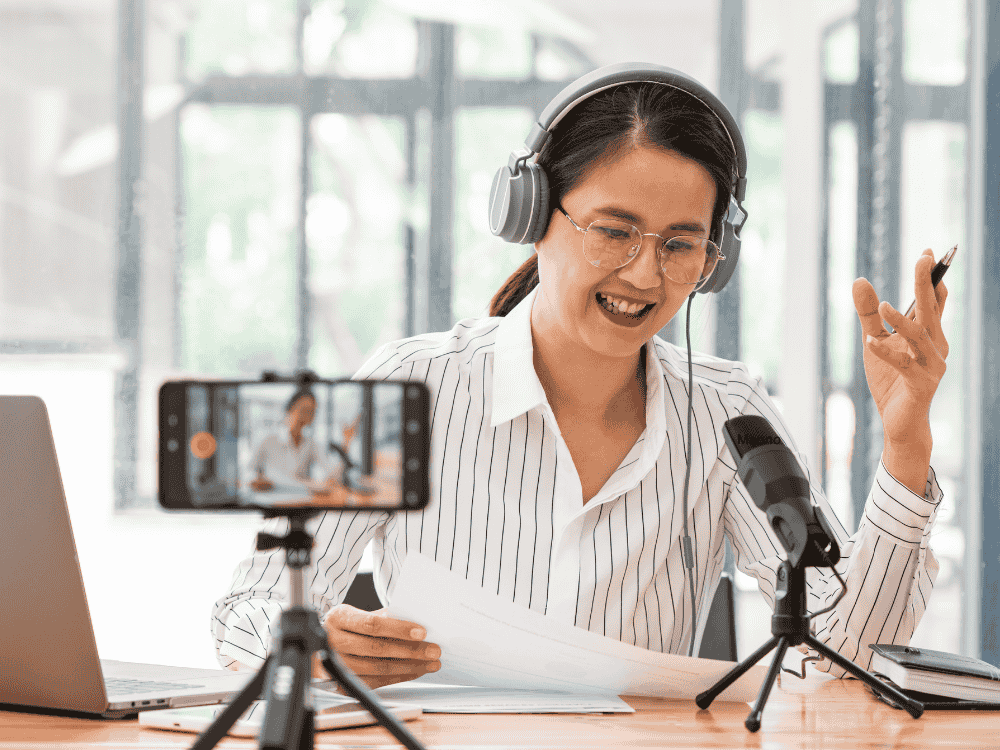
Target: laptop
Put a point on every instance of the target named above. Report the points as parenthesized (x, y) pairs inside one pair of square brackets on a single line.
[(48, 654)]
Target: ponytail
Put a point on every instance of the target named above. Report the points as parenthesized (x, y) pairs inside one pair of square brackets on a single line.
[(516, 288)]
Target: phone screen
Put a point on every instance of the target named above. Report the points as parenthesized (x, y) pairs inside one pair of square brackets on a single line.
[(331, 444)]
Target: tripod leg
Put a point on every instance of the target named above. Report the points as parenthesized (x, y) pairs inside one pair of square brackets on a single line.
[(224, 721), (308, 738), (704, 700), (913, 707), (358, 690), (753, 720), (287, 688)]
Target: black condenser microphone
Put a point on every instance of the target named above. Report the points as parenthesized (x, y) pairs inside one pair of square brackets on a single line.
[(778, 486)]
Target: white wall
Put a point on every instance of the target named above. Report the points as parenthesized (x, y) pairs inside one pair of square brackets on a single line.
[(678, 33), (151, 577)]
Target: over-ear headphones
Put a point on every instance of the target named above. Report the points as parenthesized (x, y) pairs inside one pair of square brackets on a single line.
[(519, 198)]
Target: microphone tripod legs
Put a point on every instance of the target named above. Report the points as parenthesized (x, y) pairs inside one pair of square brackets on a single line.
[(913, 707), (790, 627), (704, 700), (753, 720)]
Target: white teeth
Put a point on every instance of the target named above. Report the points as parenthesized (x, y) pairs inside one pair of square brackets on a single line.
[(621, 306)]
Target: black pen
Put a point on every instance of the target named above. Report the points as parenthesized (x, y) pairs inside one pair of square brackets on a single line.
[(937, 273)]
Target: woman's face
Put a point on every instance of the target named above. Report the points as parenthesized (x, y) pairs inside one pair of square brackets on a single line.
[(657, 191), (301, 413)]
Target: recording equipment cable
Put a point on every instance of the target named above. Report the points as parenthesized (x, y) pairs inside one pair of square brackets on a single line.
[(686, 541)]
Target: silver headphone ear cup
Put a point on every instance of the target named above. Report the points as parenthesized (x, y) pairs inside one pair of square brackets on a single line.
[(540, 210), (730, 248), (512, 203), (528, 211), (500, 203)]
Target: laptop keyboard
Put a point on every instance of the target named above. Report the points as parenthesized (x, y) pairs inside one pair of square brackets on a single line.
[(127, 686)]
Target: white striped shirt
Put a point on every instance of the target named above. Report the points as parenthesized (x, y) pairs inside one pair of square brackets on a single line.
[(507, 511)]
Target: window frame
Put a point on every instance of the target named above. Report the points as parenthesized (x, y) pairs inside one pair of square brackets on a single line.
[(434, 88)]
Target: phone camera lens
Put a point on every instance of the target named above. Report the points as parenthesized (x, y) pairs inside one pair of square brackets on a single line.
[(413, 392), (413, 464), (411, 498), (413, 427), (172, 445)]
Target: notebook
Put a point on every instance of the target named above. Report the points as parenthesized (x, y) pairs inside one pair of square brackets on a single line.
[(937, 673), (48, 654)]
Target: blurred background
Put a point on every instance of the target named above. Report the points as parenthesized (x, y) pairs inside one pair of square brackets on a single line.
[(221, 187)]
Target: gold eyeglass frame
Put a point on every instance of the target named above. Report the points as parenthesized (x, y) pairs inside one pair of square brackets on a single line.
[(697, 284)]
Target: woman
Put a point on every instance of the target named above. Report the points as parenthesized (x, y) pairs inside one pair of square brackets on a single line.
[(289, 456), (558, 433)]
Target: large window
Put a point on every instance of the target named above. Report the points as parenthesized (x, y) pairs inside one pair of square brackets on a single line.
[(237, 282), (298, 171), (306, 179), (903, 166), (894, 179)]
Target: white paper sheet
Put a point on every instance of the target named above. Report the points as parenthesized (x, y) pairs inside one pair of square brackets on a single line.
[(491, 643), (467, 699)]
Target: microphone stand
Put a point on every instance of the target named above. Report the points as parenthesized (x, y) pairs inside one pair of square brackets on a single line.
[(790, 627), (284, 678)]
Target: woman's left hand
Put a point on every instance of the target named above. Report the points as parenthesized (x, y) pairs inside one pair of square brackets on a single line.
[(904, 368)]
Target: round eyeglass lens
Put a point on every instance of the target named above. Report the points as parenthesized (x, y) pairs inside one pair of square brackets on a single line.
[(610, 244), (688, 260)]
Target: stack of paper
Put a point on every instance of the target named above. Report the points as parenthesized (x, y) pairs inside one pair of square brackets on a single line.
[(491, 643), (467, 699)]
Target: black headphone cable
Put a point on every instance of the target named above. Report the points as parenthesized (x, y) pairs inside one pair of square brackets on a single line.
[(686, 541)]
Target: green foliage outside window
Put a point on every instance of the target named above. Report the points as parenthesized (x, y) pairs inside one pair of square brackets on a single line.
[(762, 255), (354, 229), (240, 213)]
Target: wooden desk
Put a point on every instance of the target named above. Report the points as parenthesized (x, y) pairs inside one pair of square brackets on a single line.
[(819, 712)]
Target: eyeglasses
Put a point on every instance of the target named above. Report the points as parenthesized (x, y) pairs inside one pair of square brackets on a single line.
[(683, 259)]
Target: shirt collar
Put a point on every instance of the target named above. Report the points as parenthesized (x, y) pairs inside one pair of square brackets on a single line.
[(671, 360), (285, 438), (516, 388)]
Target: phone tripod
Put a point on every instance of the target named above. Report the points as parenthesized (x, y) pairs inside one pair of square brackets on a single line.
[(790, 627), (284, 678)]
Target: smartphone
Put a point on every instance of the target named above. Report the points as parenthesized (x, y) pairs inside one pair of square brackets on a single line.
[(330, 714), (325, 444)]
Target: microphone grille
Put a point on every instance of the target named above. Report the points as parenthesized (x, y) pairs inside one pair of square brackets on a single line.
[(744, 433)]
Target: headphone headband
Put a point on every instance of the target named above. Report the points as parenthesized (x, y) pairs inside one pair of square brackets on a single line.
[(519, 199), (620, 73)]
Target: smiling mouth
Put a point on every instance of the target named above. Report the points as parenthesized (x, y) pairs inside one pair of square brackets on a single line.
[(603, 302)]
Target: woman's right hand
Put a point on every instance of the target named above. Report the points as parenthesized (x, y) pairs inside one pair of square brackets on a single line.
[(379, 649)]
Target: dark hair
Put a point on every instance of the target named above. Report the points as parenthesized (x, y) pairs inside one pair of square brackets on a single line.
[(609, 124), (302, 392)]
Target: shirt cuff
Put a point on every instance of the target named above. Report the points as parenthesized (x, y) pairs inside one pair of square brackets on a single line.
[(248, 638), (897, 511)]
